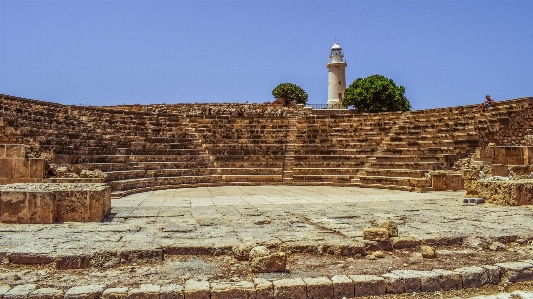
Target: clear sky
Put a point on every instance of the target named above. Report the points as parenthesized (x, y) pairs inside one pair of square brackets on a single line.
[(95, 52)]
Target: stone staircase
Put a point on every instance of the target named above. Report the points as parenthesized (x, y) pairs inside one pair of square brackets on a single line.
[(153, 147)]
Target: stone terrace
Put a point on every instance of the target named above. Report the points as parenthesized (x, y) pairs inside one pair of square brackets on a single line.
[(155, 147)]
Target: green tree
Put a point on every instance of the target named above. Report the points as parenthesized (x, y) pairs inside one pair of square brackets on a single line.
[(376, 93), (290, 92)]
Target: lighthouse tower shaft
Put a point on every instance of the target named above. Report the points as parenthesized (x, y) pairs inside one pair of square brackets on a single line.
[(336, 76)]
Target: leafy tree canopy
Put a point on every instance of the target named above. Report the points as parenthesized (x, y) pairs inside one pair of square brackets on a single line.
[(376, 93), (290, 92)]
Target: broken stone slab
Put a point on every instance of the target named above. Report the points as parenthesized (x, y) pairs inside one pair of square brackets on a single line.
[(516, 271), (230, 290), (195, 289), (474, 200), (264, 289), (171, 291), (375, 234), (258, 251), (242, 251), (473, 277), (368, 285), (115, 293), (20, 292), (343, 286), (276, 262), (145, 291), (46, 293), (318, 287), (450, 280), (293, 288), (85, 292)]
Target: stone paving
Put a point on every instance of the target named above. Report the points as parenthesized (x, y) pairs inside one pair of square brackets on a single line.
[(212, 220)]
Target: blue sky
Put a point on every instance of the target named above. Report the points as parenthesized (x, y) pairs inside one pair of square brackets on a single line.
[(446, 53)]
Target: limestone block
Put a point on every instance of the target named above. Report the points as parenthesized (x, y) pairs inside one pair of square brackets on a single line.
[(6, 168), (473, 277), (230, 290), (2, 146), (493, 273), (404, 242), (195, 289), (30, 257), (76, 261), (411, 280), (429, 281), (391, 227), (375, 234), (258, 251), (445, 181), (450, 280), (499, 170), (276, 262), (343, 286), (15, 151), (485, 152), (319, 287), (264, 289), (290, 288), (368, 285), (171, 291), (20, 292), (115, 293), (46, 293), (85, 292), (20, 168), (27, 207), (394, 283), (516, 271), (242, 251), (514, 193), (146, 291)]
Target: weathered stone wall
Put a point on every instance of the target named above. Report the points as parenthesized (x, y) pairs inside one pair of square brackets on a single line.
[(49, 203), (15, 167), (143, 147)]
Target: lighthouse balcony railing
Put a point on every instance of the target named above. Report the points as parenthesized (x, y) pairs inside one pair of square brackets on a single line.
[(326, 106)]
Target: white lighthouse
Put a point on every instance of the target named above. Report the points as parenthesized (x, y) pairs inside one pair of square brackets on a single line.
[(336, 76)]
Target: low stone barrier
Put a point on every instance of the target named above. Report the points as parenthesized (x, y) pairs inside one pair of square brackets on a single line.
[(49, 203), (338, 286), (510, 192)]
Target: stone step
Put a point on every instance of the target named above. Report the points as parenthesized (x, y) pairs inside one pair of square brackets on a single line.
[(421, 150), (135, 158), (323, 178), (250, 170), (252, 178), (326, 171), (107, 167), (140, 183), (409, 165), (389, 187), (395, 172), (399, 181), (415, 158)]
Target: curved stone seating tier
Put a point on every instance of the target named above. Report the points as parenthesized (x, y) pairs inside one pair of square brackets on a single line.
[(186, 145)]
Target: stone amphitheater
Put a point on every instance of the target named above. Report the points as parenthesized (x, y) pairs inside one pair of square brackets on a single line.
[(170, 201)]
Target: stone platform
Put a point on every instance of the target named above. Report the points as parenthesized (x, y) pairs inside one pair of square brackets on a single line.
[(50, 203), (150, 227)]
